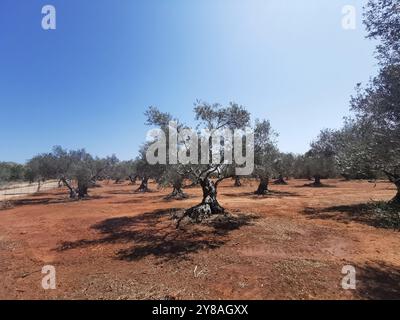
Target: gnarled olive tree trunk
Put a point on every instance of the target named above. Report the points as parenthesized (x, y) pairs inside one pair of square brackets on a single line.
[(72, 192), (317, 181), (177, 192), (144, 185), (82, 189), (263, 186), (209, 205), (280, 180), (132, 179)]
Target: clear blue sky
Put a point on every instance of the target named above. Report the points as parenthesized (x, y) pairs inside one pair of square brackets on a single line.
[(87, 83)]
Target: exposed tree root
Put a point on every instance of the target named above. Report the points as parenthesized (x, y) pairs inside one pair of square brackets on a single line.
[(176, 194), (280, 181)]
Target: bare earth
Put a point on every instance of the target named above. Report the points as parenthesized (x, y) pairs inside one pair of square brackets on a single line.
[(292, 244)]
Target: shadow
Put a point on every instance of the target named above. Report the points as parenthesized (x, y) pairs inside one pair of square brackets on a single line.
[(155, 234), (53, 192), (378, 281), (139, 199), (270, 194), (121, 192), (312, 185), (379, 215), (49, 200)]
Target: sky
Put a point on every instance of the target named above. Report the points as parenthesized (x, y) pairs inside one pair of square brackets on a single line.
[(87, 83)]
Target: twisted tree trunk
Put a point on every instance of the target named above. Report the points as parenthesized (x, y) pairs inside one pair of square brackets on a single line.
[(317, 181), (280, 180), (132, 179), (263, 186), (177, 193), (209, 205), (82, 190), (72, 193), (144, 185)]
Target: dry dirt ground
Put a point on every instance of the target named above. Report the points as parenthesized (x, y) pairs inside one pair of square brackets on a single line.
[(291, 244)]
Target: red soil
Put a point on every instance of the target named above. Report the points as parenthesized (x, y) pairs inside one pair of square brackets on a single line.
[(123, 245)]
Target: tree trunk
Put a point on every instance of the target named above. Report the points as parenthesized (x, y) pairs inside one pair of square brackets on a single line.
[(280, 180), (132, 179), (144, 185), (317, 181), (177, 193), (209, 205), (72, 193), (38, 187), (82, 190), (263, 186), (238, 183)]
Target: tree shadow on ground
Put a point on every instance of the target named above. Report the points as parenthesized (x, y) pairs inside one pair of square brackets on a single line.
[(48, 200), (312, 185), (120, 192), (269, 194), (378, 281), (379, 214), (139, 198), (155, 234)]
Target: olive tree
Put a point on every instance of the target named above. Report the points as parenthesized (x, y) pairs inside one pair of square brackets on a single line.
[(211, 120), (69, 166), (321, 158), (10, 171), (377, 105), (265, 154), (284, 167), (377, 110)]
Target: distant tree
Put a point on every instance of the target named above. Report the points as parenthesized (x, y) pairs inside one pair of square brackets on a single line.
[(146, 171), (301, 167), (173, 176), (284, 167), (265, 154), (165, 174), (123, 170), (351, 144), (321, 157), (69, 166), (10, 171)]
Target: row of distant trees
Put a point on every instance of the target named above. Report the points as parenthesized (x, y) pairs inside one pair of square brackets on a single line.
[(79, 165)]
